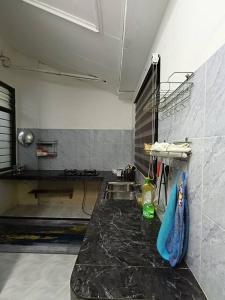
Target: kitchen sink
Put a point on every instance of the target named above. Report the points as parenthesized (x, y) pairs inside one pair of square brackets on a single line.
[(120, 186), (121, 190)]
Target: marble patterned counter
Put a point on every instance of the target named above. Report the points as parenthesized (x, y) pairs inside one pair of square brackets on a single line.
[(118, 258)]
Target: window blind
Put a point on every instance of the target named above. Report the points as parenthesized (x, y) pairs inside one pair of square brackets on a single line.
[(7, 127), (146, 121)]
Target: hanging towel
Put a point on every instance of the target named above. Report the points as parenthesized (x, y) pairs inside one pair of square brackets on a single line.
[(176, 234), (167, 224), (186, 218), (172, 240)]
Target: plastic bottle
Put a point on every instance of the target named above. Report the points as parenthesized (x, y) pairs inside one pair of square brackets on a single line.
[(148, 197)]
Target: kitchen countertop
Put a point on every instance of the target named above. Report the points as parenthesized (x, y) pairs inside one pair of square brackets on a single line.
[(49, 175), (118, 258)]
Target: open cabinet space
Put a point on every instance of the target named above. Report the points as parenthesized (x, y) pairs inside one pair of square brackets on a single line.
[(56, 205)]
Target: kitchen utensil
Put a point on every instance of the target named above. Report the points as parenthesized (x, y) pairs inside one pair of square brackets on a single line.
[(25, 137)]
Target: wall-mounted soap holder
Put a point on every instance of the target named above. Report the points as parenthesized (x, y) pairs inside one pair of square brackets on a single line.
[(46, 149), (170, 153)]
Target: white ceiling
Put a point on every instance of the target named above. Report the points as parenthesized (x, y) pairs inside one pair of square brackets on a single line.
[(110, 39), (86, 11), (142, 22)]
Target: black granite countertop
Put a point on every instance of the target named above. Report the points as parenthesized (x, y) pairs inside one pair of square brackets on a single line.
[(118, 258), (49, 175)]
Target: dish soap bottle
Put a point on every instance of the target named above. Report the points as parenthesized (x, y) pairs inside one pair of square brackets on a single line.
[(148, 197)]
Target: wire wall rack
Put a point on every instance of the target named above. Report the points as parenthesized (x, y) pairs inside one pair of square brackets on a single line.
[(171, 96)]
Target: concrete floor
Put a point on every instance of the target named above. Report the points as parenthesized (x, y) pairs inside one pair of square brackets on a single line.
[(35, 276)]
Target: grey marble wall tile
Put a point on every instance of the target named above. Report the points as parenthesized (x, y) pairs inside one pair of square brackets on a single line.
[(81, 139), (127, 155), (96, 162), (127, 137), (27, 155), (96, 150), (215, 94), (111, 148), (165, 129), (84, 149), (204, 117), (214, 178), (112, 155), (108, 136), (195, 182), (65, 149), (189, 121), (213, 260), (194, 167)]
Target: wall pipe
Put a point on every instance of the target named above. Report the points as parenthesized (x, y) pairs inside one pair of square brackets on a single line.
[(6, 63)]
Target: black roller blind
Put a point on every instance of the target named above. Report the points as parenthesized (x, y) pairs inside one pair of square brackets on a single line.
[(146, 120)]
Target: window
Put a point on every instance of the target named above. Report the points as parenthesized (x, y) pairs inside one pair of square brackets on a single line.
[(146, 121), (7, 127)]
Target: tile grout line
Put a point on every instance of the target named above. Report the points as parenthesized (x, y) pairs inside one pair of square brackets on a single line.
[(218, 225), (214, 136), (202, 175)]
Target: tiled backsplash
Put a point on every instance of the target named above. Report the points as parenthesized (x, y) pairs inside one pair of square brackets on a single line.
[(203, 122), (81, 149)]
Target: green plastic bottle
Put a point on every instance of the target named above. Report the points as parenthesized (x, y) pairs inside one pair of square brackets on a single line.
[(148, 197)]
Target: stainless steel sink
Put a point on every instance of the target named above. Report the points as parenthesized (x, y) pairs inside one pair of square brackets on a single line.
[(121, 190), (120, 186)]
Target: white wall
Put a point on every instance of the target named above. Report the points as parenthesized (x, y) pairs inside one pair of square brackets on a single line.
[(190, 32), (80, 106), (52, 102)]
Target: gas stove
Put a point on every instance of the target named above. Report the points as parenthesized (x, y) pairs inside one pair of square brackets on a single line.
[(75, 172)]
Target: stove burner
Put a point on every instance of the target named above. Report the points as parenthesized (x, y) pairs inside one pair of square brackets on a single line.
[(90, 172), (70, 172), (75, 172)]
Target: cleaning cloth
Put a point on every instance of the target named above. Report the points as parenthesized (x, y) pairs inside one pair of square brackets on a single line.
[(167, 224), (176, 237), (172, 240)]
